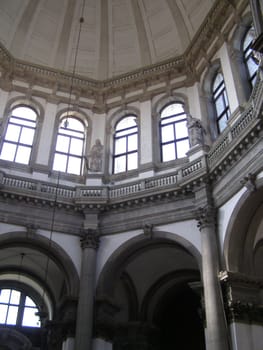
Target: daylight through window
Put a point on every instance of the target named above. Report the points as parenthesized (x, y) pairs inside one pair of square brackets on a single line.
[(68, 156), (173, 132), (125, 145), (19, 136), (16, 308)]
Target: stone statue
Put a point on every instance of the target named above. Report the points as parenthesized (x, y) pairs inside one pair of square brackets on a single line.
[(196, 131), (95, 157)]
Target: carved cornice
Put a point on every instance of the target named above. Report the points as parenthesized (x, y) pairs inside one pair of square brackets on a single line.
[(242, 295), (246, 312), (206, 217)]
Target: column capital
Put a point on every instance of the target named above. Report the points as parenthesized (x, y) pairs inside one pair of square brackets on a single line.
[(90, 239), (205, 216)]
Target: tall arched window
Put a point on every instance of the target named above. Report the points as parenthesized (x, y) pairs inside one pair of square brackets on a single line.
[(250, 62), (69, 150), (17, 308), (19, 136), (125, 153), (173, 132), (220, 101)]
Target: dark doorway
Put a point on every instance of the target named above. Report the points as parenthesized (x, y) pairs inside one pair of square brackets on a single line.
[(179, 319)]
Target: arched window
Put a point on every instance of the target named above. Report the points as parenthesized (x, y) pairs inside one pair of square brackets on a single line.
[(125, 153), (19, 136), (250, 62), (220, 101), (173, 132), (69, 150), (17, 308)]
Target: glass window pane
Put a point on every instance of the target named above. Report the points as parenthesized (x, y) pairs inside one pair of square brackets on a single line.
[(15, 297), (168, 152), (19, 122), (12, 133), (12, 315), (220, 105), (120, 164), (76, 147), (132, 161), (29, 318), (60, 162), (62, 144), (132, 142), (218, 80), (74, 165), (182, 147), (8, 152), (126, 123), (167, 133), (29, 302), (222, 123), (4, 295), (23, 155), (27, 136), (24, 112), (252, 66), (120, 146), (3, 311), (181, 130), (73, 124), (174, 108)]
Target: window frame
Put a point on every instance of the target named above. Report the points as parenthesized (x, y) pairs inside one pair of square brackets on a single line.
[(218, 93), (126, 137), (21, 306), (175, 139), (64, 118), (22, 126), (248, 57)]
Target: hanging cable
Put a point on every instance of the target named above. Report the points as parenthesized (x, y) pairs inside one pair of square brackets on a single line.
[(42, 313), (81, 21)]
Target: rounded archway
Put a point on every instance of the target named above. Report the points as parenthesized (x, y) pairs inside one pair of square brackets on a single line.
[(244, 238), (38, 271), (144, 280)]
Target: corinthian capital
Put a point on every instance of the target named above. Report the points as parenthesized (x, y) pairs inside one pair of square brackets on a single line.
[(205, 216), (90, 239)]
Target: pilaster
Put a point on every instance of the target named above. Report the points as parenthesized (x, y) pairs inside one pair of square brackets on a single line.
[(84, 331)]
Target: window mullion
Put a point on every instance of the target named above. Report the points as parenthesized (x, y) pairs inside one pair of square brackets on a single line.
[(21, 307)]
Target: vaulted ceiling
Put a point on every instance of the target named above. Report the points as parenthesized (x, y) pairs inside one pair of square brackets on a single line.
[(117, 36)]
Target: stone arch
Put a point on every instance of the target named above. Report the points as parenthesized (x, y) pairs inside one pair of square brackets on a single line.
[(151, 264), (242, 239), (125, 252), (50, 249), (11, 339)]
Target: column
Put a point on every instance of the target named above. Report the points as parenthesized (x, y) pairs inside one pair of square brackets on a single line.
[(216, 331), (256, 15), (89, 244)]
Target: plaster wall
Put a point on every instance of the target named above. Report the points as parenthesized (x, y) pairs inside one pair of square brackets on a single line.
[(194, 101), (246, 336), (101, 344), (224, 216), (46, 135), (146, 132), (228, 77), (70, 244)]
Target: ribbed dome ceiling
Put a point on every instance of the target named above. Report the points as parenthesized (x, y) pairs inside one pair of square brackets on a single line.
[(117, 36)]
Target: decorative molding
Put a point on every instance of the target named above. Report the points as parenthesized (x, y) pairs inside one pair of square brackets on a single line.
[(205, 216), (90, 239), (249, 182)]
